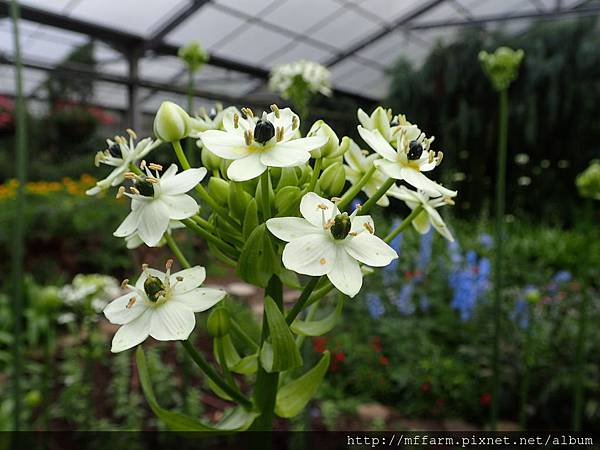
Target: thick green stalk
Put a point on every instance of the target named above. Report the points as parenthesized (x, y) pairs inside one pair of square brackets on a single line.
[(177, 251), (209, 237), (301, 303), (264, 191), (233, 392), (265, 390), (204, 195), (190, 107), (380, 193), (578, 388), (406, 222), (48, 372), (499, 236), (354, 190), (527, 361), (315, 174), (18, 238)]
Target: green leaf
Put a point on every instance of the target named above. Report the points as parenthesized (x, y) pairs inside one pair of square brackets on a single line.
[(250, 219), (257, 262), (217, 390), (287, 201), (285, 354), (318, 327), (247, 365), (232, 357), (294, 396), (238, 201), (238, 419)]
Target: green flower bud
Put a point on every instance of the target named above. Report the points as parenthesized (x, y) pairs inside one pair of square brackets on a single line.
[(533, 296), (209, 159), (33, 398), (588, 181), (331, 148), (288, 177), (341, 226), (193, 55), (287, 201), (219, 190), (154, 288), (49, 298), (171, 122), (333, 179), (238, 200), (345, 145), (218, 322), (331, 161), (381, 121), (502, 66)]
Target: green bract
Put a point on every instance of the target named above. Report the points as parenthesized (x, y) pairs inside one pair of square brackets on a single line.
[(502, 66)]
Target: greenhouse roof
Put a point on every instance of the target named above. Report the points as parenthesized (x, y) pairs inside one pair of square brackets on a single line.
[(137, 42)]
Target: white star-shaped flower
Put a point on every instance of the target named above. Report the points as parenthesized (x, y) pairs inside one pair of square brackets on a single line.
[(358, 164), (160, 305), (256, 145), (156, 200), (120, 154), (327, 242), (209, 120), (429, 216), (408, 160)]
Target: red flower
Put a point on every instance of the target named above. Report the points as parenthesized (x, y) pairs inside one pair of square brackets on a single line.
[(485, 399), (440, 402), (425, 387), (319, 344), (384, 360), (376, 343), (338, 358)]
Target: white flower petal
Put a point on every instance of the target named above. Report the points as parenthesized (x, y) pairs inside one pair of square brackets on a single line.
[(126, 308), (192, 278), (179, 206), (283, 155), (200, 299), (305, 144), (438, 223), (358, 224), (172, 321), (128, 226), (246, 168), (182, 183), (421, 223), (132, 333), (290, 228), (389, 168), (315, 208), (169, 173), (369, 250), (223, 144), (153, 222), (377, 142), (365, 119), (310, 255), (420, 181), (346, 275)]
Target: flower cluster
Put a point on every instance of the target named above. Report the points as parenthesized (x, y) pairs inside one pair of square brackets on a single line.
[(303, 74), (66, 185), (469, 280)]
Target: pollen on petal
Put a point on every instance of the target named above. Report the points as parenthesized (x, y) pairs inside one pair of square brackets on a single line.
[(131, 302), (323, 261), (369, 228)]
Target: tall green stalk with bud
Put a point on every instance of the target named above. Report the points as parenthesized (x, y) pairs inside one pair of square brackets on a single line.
[(501, 68), (281, 222)]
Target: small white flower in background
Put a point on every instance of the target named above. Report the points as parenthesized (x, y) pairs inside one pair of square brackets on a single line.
[(429, 216), (255, 145), (156, 200), (209, 120), (358, 164), (388, 125), (160, 305), (120, 154), (93, 290), (316, 77), (134, 241), (408, 160), (327, 242)]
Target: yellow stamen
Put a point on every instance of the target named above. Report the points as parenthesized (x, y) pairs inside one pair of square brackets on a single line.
[(440, 156), (248, 112), (154, 166), (120, 192), (275, 110), (134, 190), (249, 137), (131, 133), (131, 302), (236, 120), (124, 283), (369, 227)]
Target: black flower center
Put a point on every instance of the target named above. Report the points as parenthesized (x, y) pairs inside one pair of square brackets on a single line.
[(341, 226), (415, 150), (115, 151), (154, 288), (145, 187), (263, 131)]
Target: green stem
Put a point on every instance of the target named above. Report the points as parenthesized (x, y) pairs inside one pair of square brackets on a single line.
[(243, 335), (578, 388), (354, 190), (309, 316), (301, 303), (190, 107), (499, 232), (48, 372), (233, 235), (223, 362), (211, 373), (527, 357), (135, 169), (315, 174), (264, 191), (380, 193), (204, 195), (406, 222), (177, 251), (209, 237), (18, 238), (265, 390), (204, 223)]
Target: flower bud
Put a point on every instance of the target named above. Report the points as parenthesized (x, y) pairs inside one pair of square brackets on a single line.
[(502, 66), (238, 200), (209, 159), (533, 295), (218, 322), (333, 179), (331, 148), (288, 177), (193, 55), (287, 200), (219, 190), (171, 122), (331, 161), (381, 121)]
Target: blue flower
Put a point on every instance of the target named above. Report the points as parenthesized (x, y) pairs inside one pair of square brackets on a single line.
[(469, 281), (424, 302), (486, 240), (454, 252), (404, 300), (375, 306), (562, 276), (425, 250), (520, 313)]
